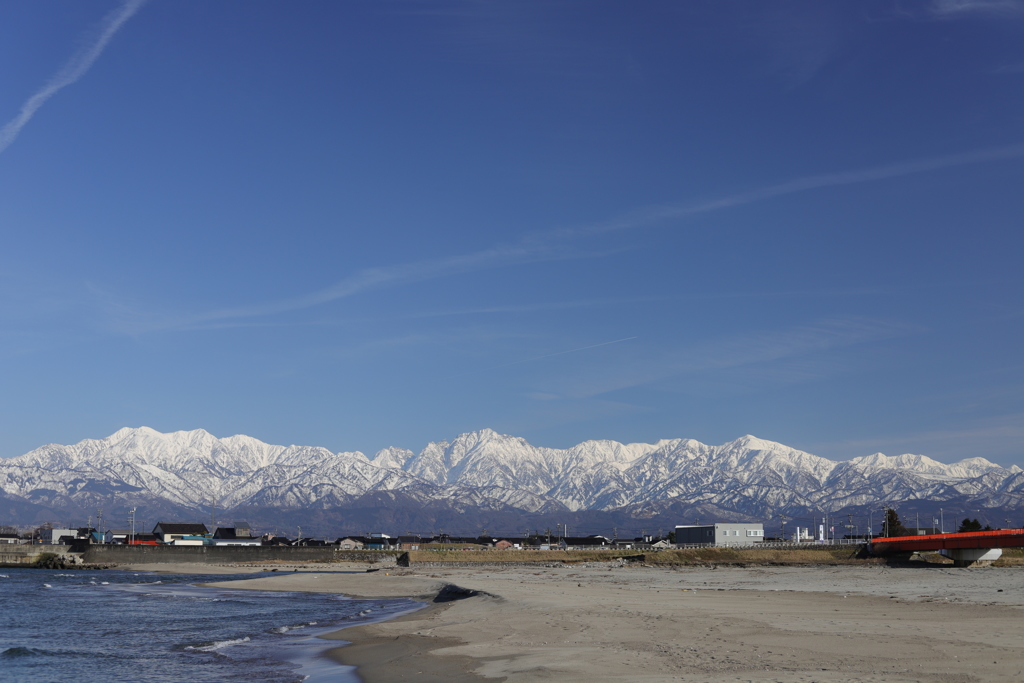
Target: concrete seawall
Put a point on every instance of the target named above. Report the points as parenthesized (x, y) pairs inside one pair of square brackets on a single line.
[(27, 554), (166, 554)]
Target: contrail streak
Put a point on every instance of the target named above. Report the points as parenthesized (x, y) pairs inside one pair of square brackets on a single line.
[(72, 71), (862, 176), (562, 353), (544, 246), (652, 215)]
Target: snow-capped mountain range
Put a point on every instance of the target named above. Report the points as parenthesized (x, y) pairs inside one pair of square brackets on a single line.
[(489, 471)]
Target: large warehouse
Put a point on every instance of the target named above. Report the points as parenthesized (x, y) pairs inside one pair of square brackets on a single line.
[(726, 533)]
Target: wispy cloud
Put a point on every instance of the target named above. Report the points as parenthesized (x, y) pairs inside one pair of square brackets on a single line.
[(878, 290), (540, 306), (361, 281), (71, 72), (755, 348), (1017, 68), (551, 245), (656, 214), (562, 353), (953, 8)]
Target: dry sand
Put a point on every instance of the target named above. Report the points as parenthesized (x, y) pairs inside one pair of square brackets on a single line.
[(610, 623)]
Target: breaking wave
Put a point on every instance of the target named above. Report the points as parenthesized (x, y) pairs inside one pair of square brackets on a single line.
[(217, 645)]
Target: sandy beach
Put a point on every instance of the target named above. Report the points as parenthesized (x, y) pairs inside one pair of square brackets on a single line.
[(594, 622)]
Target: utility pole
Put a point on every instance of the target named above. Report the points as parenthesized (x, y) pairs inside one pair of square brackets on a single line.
[(213, 514), (942, 522), (131, 520)]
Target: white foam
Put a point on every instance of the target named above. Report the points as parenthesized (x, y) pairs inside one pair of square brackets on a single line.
[(217, 645)]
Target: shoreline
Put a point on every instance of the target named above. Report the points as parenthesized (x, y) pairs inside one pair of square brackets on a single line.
[(380, 657), (822, 623)]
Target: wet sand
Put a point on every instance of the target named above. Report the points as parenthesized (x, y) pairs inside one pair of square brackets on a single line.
[(576, 623)]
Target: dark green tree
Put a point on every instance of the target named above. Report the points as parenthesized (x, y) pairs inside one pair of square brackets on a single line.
[(893, 525), (969, 525)]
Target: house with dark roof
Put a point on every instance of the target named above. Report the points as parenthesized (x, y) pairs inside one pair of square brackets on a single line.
[(378, 541), (409, 542), (116, 535), (170, 532), (584, 542), (141, 539), (276, 540), (236, 535)]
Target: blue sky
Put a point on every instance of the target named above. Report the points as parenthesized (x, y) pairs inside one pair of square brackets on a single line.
[(358, 225)]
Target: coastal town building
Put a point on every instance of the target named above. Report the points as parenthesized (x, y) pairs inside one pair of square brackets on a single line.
[(378, 541), (142, 539), (187, 534), (188, 540), (240, 534), (583, 542), (409, 542), (720, 533), (274, 539), (55, 536)]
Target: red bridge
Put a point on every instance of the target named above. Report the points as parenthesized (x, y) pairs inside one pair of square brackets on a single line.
[(965, 548)]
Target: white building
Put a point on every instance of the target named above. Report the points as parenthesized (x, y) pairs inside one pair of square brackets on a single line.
[(723, 533), (53, 536)]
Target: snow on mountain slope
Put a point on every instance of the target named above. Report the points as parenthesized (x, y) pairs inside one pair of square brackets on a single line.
[(925, 466), (489, 470)]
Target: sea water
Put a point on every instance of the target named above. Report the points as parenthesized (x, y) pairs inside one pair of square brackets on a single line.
[(99, 626)]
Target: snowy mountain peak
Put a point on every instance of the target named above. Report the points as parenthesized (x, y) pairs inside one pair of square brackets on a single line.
[(752, 442), (392, 457), (923, 465), (748, 475)]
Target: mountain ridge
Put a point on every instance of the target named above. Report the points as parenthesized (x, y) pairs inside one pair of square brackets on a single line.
[(486, 470)]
